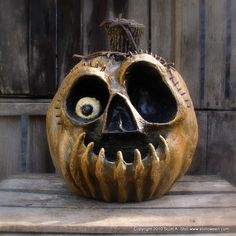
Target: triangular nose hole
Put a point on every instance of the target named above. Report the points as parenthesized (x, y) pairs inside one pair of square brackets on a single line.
[(119, 116)]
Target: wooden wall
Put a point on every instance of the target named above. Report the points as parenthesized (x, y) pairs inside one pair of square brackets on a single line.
[(38, 39)]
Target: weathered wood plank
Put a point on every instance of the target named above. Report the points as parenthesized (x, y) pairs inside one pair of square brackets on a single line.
[(215, 53), (10, 146), (187, 47), (162, 29), (69, 21), (55, 184), (106, 221), (140, 234), (232, 68), (221, 144), (198, 165), (42, 200), (93, 13), (185, 178), (42, 47), (138, 11), (38, 156), (13, 47), (63, 212), (18, 107)]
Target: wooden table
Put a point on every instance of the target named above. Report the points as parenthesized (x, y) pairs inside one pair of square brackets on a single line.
[(42, 203)]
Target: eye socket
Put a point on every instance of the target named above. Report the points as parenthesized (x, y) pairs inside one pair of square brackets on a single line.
[(87, 99), (149, 94), (88, 108)]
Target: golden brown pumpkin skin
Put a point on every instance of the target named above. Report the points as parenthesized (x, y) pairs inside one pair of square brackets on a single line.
[(151, 153)]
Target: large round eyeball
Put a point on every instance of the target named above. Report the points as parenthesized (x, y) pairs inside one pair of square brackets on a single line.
[(88, 108)]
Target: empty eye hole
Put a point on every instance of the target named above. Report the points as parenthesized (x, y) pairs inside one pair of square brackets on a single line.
[(87, 99), (149, 94)]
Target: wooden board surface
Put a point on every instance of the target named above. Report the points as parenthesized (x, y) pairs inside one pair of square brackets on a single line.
[(41, 203)]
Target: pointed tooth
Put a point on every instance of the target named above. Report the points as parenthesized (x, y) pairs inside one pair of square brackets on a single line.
[(120, 176), (137, 158), (119, 157), (81, 138), (138, 175), (84, 163), (141, 50), (101, 154), (99, 173), (166, 149), (146, 51), (155, 171), (153, 153), (89, 148)]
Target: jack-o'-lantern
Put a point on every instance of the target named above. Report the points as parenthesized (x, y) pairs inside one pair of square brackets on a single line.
[(122, 126)]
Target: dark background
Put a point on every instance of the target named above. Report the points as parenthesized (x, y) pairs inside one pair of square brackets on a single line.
[(39, 37)]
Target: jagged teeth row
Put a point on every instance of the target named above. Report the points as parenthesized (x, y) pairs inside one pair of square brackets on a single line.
[(85, 167), (80, 145)]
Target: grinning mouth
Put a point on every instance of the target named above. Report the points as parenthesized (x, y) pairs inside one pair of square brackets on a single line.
[(125, 143), (114, 177)]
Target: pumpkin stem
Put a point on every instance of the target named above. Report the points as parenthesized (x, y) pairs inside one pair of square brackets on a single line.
[(123, 35)]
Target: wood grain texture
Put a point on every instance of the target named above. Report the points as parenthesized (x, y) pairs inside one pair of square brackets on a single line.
[(187, 47), (69, 35), (38, 156), (10, 146), (19, 107), (162, 29), (232, 66), (41, 203), (215, 53), (221, 144), (139, 11), (13, 47), (51, 184), (42, 48)]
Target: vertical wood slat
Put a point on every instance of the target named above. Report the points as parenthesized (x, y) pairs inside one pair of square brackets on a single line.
[(94, 12), (232, 100), (215, 53), (139, 11), (221, 144), (186, 45), (38, 158), (13, 47), (69, 24), (162, 28), (198, 165), (10, 146), (42, 47)]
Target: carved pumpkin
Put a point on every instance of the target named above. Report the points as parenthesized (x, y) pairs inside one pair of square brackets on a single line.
[(122, 127)]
